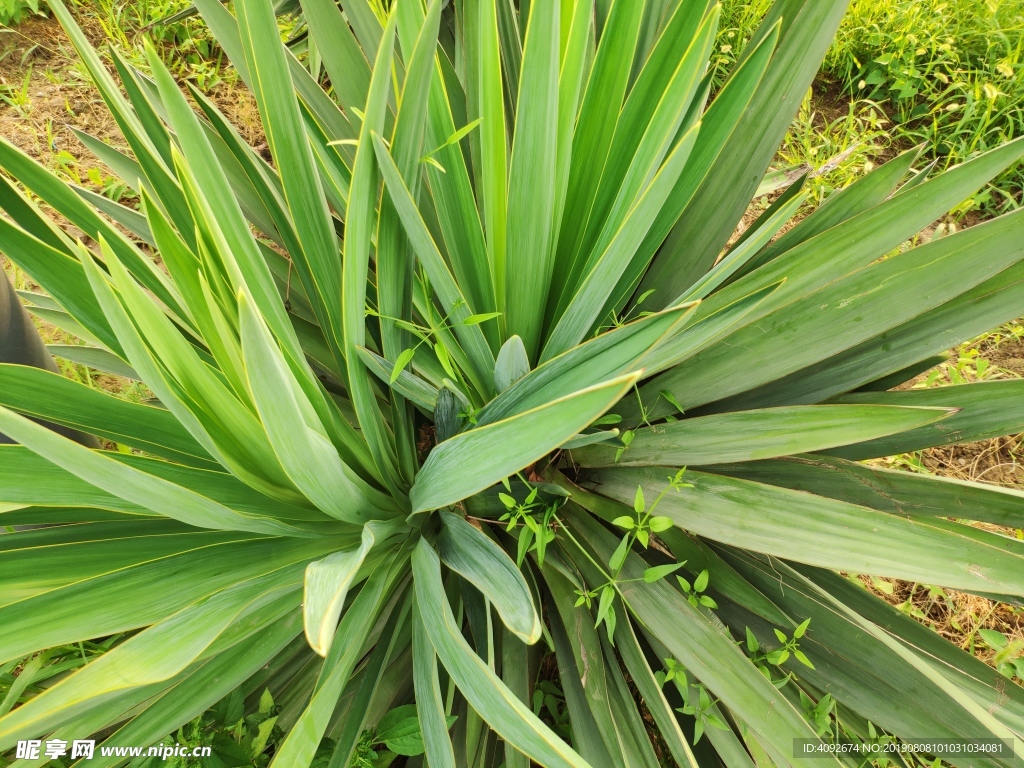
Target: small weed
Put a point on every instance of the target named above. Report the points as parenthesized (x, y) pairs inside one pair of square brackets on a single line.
[(236, 738), (13, 12), (397, 733), (184, 42), (17, 95), (24, 678), (837, 150), (549, 705), (1008, 654)]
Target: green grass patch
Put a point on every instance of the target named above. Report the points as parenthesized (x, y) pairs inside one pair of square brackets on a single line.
[(948, 74)]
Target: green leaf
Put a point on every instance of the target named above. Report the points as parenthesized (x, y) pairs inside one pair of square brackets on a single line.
[(530, 231), (326, 585), (398, 721), (586, 310), (442, 281), (638, 500), (160, 653), (127, 217), (625, 521), (296, 432), (133, 123), (94, 357), (344, 61), (643, 139), (694, 641), (886, 489), (430, 705), (28, 478), (359, 225), (899, 680), (394, 267), (127, 591), (400, 364), (693, 337), (493, 171), (411, 744), (255, 183), (147, 491), (986, 306), (720, 122), (806, 29), (861, 240), (575, 45), (738, 259), (831, 534), (825, 321), (301, 742), (476, 459), (460, 134), (515, 673), (52, 397), (62, 277), (617, 559), (687, 549), (480, 318), (862, 195), (589, 438), (605, 88), (583, 672), (217, 213), (193, 692), (653, 696), (611, 354), (458, 219), (660, 523), (27, 215), (356, 714), (659, 572), (282, 121), (505, 713), (486, 566), (752, 645), (701, 582), (406, 383), (984, 410), (802, 658), (123, 166), (759, 434)]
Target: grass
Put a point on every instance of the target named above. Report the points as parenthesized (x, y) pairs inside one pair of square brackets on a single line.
[(949, 74), (15, 11), (185, 44), (187, 47)]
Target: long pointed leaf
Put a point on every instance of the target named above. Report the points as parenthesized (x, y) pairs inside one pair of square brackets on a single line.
[(474, 460), (482, 688)]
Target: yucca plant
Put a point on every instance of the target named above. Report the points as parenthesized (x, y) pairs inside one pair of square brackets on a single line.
[(468, 401)]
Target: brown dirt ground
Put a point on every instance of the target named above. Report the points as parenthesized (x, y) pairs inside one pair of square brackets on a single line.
[(59, 97), (1000, 461)]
